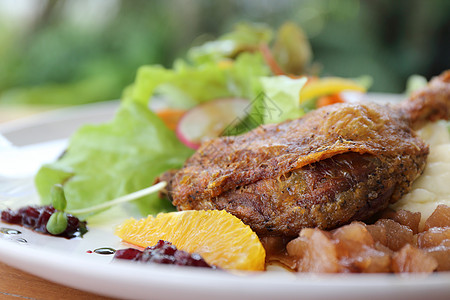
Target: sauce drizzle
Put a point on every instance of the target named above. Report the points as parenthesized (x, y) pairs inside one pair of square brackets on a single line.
[(105, 251), (21, 241), (9, 231)]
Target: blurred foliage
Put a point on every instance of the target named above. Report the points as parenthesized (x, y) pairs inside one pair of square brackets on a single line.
[(54, 60)]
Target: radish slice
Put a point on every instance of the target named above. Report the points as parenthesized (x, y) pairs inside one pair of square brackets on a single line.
[(208, 120)]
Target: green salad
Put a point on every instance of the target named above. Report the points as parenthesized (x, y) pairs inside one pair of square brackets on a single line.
[(127, 154)]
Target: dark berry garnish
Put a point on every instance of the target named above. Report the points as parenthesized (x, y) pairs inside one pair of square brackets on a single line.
[(36, 218), (163, 253)]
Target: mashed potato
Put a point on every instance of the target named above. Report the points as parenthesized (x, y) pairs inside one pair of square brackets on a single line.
[(433, 186)]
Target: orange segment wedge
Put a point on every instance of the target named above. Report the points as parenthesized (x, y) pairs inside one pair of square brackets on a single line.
[(219, 237)]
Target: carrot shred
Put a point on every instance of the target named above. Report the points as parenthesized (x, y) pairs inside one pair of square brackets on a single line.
[(170, 117), (270, 60), (328, 100)]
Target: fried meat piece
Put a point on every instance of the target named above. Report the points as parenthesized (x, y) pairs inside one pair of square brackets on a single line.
[(337, 164)]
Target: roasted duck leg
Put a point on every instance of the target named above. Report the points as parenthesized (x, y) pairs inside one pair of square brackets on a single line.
[(337, 164)]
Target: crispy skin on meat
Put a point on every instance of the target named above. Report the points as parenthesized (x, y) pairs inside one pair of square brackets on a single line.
[(429, 104), (337, 164)]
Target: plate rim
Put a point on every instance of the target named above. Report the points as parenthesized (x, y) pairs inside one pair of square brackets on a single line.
[(437, 285), (100, 278)]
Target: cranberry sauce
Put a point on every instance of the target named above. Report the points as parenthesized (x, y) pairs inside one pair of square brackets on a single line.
[(36, 218), (163, 253)]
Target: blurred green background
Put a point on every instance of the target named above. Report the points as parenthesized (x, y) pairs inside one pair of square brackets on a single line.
[(80, 51)]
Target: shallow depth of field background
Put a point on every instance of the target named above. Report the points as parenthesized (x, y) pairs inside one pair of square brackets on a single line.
[(79, 51)]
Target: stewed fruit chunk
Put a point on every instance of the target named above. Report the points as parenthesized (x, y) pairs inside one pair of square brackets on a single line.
[(356, 250), (349, 248), (442, 255), (397, 235), (404, 217), (436, 239), (392, 244), (439, 218), (410, 259), (435, 236), (315, 251)]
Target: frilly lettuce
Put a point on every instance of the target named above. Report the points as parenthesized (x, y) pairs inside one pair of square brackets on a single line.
[(186, 85), (113, 159), (107, 161), (415, 82), (292, 49), (281, 98), (245, 37)]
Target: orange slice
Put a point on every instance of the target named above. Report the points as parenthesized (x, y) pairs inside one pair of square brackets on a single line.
[(219, 237)]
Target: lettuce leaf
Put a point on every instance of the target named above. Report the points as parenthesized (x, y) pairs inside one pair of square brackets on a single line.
[(107, 161), (292, 49), (415, 82), (280, 99), (244, 37), (186, 85)]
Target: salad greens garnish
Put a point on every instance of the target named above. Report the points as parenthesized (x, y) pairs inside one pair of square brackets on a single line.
[(127, 154), (126, 198), (284, 93), (244, 38), (186, 85), (106, 161), (414, 83), (292, 49)]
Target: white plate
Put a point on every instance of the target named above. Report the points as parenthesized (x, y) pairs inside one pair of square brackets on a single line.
[(67, 261)]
